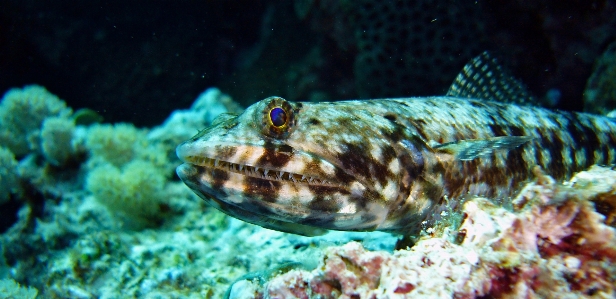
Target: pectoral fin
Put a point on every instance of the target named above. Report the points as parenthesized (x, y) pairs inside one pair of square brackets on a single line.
[(470, 149)]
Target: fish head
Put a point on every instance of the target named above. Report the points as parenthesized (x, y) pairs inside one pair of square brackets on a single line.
[(280, 164)]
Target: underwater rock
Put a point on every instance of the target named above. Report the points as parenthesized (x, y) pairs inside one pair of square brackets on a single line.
[(554, 245)]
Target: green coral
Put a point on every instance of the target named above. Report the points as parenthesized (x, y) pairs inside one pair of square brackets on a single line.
[(134, 191), (8, 174), (127, 173), (10, 289), (117, 144), (22, 112), (56, 140), (121, 143)]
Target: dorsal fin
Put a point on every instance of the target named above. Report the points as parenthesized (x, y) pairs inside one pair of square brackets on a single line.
[(484, 78)]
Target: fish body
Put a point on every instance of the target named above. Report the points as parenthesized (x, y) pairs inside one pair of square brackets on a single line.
[(380, 164)]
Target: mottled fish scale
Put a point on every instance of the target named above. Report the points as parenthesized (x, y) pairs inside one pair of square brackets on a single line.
[(384, 164)]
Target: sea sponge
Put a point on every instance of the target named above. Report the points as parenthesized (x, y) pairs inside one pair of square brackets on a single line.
[(56, 140), (8, 174), (121, 143), (134, 191), (22, 112), (116, 144), (11, 289)]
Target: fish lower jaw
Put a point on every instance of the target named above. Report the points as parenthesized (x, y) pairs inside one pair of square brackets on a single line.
[(257, 172)]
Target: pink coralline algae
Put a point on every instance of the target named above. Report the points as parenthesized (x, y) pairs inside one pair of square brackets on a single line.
[(554, 244)]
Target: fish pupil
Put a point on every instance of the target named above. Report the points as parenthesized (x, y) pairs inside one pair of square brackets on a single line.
[(278, 117)]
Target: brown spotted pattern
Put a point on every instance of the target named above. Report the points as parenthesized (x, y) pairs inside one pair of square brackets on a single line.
[(365, 165)]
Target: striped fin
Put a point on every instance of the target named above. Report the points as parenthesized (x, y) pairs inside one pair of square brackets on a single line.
[(484, 78)]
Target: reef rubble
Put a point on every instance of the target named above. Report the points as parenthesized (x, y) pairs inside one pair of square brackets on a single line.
[(553, 244), (74, 211)]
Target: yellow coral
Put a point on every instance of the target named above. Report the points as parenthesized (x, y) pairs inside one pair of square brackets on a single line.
[(22, 112), (121, 143), (117, 144), (56, 140), (134, 191)]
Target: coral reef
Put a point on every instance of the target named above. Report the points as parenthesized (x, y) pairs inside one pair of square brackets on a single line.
[(79, 230), (554, 245), (57, 140), (11, 289), (22, 112), (8, 169), (183, 124), (136, 191), (117, 144)]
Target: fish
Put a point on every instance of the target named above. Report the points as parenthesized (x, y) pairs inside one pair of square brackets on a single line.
[(386, 164)]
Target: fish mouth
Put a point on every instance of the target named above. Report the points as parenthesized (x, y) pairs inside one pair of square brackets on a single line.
[(257, 172)]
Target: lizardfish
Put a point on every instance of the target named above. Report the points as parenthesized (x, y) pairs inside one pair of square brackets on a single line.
[(382, 164)]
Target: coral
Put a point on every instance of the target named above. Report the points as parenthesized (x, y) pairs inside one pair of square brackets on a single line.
[(122, 143), (600, 92), (22, 112), (117, 144), (56, 140), (11, 289), (553, 240), (183, 124), (554, 245), (135, 191), (8, 174)]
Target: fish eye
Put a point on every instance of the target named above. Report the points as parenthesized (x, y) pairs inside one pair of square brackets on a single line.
[(278, 117)]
